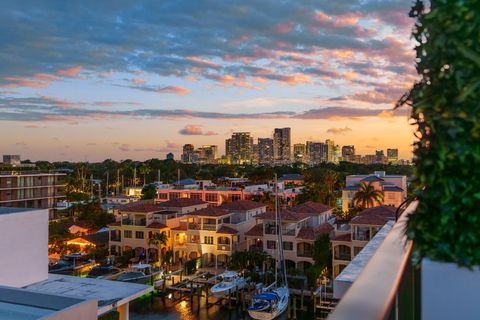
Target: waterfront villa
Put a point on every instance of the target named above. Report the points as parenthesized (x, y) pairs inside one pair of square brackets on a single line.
[(393, 187), (348, 240), (300, 227)]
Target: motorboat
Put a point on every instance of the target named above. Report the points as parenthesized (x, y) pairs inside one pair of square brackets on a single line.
[(231, 282), (71, 263), (103, 271), (141, 273), (271, 303)]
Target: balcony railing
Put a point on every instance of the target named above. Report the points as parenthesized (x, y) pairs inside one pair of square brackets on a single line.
[(305, 253), (131, 222), (395, 295), (193, 226), (224, 247), (209, 227), (361, 236), (342, 256)]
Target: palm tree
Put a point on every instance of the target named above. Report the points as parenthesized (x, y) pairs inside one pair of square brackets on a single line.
[(330, 181), (144, 170), (367, 196), (158, 240)]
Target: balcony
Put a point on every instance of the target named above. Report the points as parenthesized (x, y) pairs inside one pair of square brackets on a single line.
[(193, 226), (396, 294), (131, 222), (342, 256), (224, 247), (209, 227), (305, 253)]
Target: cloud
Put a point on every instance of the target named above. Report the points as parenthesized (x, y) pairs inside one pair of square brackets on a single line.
[(194, 130), (125, 147), (21, 144), (70, 72), (339, 131), (166, 89)]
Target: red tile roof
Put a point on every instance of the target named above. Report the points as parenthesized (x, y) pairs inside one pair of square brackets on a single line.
[(242, 205), (227, 230), (156, 225), (256, 231), (311, 208), (375, 216), (311, 233), (210, 212), (343, 237), (181, 203), (140, 206), (287, 215)]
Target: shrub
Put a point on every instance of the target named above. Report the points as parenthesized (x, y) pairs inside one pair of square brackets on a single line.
[(446, 109)]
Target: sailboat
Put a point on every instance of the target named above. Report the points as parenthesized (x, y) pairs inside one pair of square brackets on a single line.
[(272, 303)]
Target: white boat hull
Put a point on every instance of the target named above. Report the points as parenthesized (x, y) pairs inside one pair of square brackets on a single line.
[(223, 292), (280, 308)]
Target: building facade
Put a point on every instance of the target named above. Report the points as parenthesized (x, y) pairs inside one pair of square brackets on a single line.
[(392, 156), (282, 146), (393, 187), (187, 154), (31, 189), (238, 148), (348, 240), (265, 150)]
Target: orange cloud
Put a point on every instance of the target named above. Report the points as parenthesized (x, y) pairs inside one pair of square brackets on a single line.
[(284, 27), (175, 89), (45, 77), (138, 80), (70, 72), (298, 78), (25, 82)]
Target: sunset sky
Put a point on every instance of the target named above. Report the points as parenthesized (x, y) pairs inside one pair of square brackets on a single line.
[(92, 80)]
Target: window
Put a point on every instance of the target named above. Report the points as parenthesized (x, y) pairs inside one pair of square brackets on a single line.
[(127, 233), (139, 234), (208, 240), (174, 195), (163, 196), (271, 244), (196, 196), (212, 197), (288, 246), (356, 250), (194, 238)]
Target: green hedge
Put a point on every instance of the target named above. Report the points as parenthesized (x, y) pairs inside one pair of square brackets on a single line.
[(446, 108)]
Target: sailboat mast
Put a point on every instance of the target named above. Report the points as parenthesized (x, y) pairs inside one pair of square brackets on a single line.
[(276, 232)]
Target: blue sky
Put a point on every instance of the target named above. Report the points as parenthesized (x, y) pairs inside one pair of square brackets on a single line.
[(137, 79)]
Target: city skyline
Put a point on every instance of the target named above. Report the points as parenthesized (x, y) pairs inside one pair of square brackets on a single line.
[(327, 71)]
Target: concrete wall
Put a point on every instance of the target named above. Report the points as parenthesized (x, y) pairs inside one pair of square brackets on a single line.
[(24, 249)]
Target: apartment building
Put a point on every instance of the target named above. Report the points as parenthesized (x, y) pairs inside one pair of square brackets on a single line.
[(301, 225), (213, 195), (349, 240), (30, 189), (394, 188)]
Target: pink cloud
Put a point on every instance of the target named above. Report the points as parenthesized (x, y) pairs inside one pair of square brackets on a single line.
[(174, 89), (284, 27), (104, 103), (195, 130), (61, 103), (138, 80), (70, 72), (45, 77), (25, 82)]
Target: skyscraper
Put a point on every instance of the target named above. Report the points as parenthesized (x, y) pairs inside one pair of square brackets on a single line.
[(392, 155), (299, 152), (187, 154), (330, 150), (207, 154), (348, 153), (239, 148), (379, 156), (265, 150), (282, 151), (317, 152)]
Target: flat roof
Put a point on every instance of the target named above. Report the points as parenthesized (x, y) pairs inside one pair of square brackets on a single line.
[(108, 293), (348, 275), (19, 304), (8, 210)]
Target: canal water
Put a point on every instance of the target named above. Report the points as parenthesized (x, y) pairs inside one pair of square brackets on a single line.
[(156, 308)]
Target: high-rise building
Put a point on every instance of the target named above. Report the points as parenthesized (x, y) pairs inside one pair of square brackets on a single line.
[(239, 148), (265, 150), (299, 152), (379, 156), (282, 151), (330, 150), (11, 159), (392, 155), (348, 153), (187, 154), (170, 156), (207, 154), (317, 152)]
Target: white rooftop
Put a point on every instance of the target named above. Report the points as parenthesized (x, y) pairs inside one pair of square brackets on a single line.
[(108, 293), (348, 275)]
